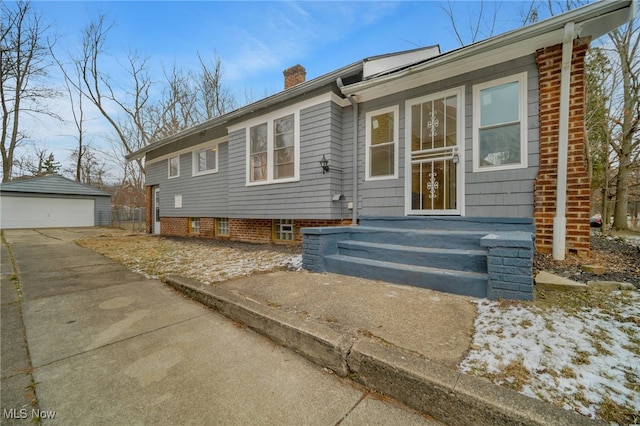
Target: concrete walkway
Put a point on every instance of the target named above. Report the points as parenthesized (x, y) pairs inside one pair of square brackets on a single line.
[(106, 346)]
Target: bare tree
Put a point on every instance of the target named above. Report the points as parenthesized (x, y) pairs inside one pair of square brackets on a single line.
[(136, 118), (90, 167), (122, 105), (215, 99), (625, 140), (481, 26), (24, 59), (177, 109), (77, 111), (188, 99), (42, 162)]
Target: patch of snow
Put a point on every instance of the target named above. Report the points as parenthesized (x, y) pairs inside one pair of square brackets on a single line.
[(294, 263), (574, 360)]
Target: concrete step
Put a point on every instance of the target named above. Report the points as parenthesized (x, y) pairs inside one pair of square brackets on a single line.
[(457, 282), (443, 239), (453, 259)]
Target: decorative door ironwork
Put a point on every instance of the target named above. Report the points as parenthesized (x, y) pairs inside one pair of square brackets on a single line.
[(434, 156)]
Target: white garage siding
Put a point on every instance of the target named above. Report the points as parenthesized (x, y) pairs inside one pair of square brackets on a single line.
[(36, 212)]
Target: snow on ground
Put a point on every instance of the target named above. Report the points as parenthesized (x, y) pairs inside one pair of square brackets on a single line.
[(579, 359)]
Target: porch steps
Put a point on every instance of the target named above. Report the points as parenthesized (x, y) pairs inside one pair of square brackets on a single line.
[(444, 253), (437, 259), (450, 281), (434, 238), (447, 259)]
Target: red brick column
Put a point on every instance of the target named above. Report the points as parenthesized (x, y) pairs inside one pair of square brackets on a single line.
[(549, 62), (148, 190)]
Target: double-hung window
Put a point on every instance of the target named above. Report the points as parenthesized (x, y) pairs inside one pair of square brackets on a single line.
[(205, 161), (382, 144), (174, 167), (500, 124), (273, 150), (284, 148), (258, 154)]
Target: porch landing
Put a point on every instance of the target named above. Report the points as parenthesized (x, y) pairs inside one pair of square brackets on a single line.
[(480, 257)]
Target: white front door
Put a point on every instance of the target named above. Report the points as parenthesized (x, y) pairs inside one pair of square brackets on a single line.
[(434, 166), (156, 211)]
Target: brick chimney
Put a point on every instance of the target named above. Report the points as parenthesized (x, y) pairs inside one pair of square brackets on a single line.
[(294, 76)]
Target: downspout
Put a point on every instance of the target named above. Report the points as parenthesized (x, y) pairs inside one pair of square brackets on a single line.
[(560, 219), (354, 104)]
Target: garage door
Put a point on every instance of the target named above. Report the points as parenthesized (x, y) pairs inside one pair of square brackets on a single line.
[(33, 212)]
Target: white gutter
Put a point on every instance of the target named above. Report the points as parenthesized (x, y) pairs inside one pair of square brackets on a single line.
[(560, 219)]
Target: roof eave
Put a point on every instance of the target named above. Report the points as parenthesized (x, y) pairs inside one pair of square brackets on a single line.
[(298, 90), (594, 20)]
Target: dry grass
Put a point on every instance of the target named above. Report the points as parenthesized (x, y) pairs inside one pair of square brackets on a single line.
[(206, 261)]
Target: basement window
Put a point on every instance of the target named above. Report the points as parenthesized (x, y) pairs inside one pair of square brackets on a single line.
[(222, 226), (194, 225), (283, 230)]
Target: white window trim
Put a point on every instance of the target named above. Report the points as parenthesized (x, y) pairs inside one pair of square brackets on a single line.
[(269, 119), (169, 167), (521, 79), (211, 142), (194, 161), (396, 142)]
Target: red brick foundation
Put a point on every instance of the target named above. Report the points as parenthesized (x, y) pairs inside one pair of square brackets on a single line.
[(174, 226), (549, 62), (246, 230)]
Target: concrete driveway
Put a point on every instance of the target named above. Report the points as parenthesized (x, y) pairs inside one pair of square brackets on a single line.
[(85, 341)]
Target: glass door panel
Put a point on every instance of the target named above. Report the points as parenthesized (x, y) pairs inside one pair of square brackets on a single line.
[(435, 148)]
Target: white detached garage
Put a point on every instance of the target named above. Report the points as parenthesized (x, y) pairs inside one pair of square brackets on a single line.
[(51, 202)]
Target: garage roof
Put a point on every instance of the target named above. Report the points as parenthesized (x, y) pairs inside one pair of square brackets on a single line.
[(51, 184)]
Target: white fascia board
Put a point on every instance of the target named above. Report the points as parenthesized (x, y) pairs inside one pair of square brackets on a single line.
[(203, 145), (307, 103)]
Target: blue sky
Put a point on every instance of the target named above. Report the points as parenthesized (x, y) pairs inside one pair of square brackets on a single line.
[(256, 41)]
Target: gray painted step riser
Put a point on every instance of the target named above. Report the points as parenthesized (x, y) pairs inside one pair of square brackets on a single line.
[(420, 239), (449, 283), (442, 260), (447, 225)]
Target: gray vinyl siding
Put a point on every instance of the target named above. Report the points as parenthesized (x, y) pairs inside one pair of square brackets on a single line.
[(327, 129), (505, 193), (308, 198), (102, 211), (202, 196)]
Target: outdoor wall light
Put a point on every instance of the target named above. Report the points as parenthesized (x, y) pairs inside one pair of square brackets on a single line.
[(324, 163)]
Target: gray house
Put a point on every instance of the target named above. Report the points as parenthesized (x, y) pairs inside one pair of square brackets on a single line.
[(52, 201), (483, 141)]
